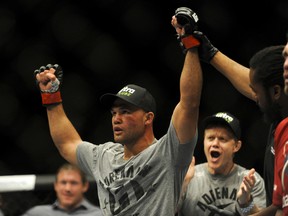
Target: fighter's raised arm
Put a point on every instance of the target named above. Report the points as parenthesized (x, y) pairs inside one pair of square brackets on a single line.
[(185, 116), (65, 137)]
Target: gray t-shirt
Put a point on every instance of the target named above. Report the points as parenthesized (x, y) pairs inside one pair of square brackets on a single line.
[(85, 209), (147, 184), (210, 194)]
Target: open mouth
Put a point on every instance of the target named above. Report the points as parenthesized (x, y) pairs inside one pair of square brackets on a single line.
[(214, 154)]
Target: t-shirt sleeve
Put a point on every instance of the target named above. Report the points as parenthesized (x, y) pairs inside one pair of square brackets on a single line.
[(85, 156)]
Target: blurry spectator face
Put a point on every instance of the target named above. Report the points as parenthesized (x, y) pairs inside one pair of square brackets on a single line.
[(69, 188)]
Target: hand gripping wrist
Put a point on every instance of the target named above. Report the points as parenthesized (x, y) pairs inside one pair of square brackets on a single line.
[(206, 50), (52, 95)]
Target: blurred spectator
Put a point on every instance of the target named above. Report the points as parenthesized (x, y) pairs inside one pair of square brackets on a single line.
[(70, 185)]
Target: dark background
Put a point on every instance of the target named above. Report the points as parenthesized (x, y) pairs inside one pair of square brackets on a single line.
[(102, 46)]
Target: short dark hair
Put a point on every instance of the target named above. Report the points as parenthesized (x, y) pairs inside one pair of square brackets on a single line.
[(68, 166), (268, 66)]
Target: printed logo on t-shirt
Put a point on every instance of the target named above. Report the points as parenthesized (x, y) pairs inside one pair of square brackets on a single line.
[(122, 196)]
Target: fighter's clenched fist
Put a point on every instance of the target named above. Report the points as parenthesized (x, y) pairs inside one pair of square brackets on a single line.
[(185, 23), (49, 78)]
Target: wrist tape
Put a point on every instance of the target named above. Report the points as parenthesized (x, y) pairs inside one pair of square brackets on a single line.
[(51, 98), (52, 95), (189, 42)]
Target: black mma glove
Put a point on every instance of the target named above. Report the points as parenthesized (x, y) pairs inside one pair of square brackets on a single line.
[(188, 20), (206, 49), (52, 95)]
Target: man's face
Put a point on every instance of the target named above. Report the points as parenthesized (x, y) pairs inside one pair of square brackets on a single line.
[(128, 122), (285, 67), (69, 188), (220, 146)]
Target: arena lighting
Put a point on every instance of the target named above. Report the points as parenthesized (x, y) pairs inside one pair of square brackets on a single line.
[(12, 183)]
